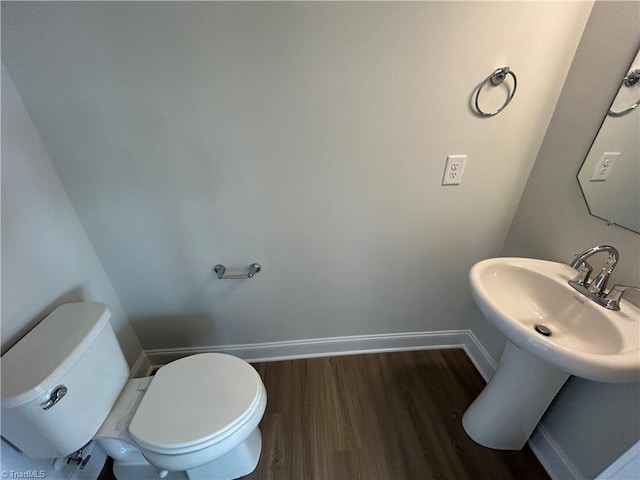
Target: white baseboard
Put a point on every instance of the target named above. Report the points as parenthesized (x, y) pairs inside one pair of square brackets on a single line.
[(142, 366), (479, 356), (552, 456), (350, 345)]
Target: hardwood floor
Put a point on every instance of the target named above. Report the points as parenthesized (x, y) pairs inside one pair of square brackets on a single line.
[(390, 416), (379, 416)]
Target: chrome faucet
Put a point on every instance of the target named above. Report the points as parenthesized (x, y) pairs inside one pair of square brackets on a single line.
[(596, 289), (580, 263), (599, 283)]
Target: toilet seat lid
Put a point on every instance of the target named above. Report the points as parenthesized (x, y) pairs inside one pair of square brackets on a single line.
[(193, 401)]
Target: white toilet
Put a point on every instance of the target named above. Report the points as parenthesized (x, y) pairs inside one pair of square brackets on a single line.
[(67, 382)]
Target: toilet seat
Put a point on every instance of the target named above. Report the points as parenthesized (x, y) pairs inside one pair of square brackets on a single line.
[(195, 402)]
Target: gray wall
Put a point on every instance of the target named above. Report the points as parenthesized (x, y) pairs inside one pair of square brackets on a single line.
[(593, 422), (47, 258), (310, 137)]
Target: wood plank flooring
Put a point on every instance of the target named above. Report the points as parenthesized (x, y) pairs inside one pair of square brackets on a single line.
[(379, 416), (385, 416)]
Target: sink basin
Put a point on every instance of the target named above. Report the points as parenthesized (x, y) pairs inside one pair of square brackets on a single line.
[(519, 295), (587, 340)]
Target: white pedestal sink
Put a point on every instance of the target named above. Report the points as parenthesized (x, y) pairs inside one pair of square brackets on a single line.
[(586, 340)]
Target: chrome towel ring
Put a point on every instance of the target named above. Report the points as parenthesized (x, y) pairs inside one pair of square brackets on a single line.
[(495, 79), (630, 80)]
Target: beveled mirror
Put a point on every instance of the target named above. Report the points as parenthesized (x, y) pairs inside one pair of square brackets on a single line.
[(610, 175)]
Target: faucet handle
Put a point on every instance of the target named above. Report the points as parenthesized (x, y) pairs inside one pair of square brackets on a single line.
[(599, 283), (578, 260), (584, 270), (612, 299)]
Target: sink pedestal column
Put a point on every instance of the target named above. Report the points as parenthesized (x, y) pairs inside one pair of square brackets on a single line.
[(508, 409)]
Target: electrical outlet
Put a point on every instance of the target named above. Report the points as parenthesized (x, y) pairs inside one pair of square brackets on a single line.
[(453, 170), (604, 166)]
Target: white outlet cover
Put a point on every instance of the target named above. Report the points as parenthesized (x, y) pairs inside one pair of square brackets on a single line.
[(603, 168), (453, 169)]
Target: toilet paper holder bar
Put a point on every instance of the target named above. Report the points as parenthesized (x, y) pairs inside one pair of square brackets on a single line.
[(236, 273)]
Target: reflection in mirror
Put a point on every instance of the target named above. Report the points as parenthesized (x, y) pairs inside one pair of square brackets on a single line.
[(610, 175)]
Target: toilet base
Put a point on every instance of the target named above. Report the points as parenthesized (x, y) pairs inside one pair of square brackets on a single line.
[(239, 462)]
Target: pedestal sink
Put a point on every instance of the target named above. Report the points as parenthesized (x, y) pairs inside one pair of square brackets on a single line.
[(528, 299)]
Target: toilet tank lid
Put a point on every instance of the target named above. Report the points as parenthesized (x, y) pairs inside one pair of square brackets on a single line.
[(40, 359)]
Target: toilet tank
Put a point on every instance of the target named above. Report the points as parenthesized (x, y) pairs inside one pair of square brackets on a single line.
[(73, 351)]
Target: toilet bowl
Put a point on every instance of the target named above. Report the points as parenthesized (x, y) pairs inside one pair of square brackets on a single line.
[(66, 383), (193, 412)]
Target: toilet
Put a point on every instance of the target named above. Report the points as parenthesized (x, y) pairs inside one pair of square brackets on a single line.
[(67, 382)]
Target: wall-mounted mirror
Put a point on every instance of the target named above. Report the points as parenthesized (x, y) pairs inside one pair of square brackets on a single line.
[(610, 175)]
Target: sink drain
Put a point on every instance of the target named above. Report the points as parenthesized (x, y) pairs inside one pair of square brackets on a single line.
[(542, 330)]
